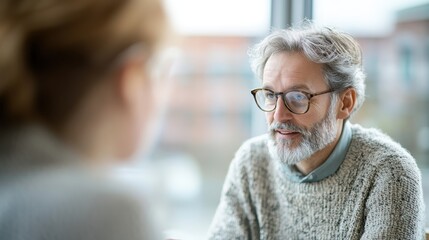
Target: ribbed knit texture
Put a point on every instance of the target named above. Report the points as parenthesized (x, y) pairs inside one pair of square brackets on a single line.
[(375, 194)]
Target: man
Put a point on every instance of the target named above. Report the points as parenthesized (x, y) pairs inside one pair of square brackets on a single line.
[(315, 175)]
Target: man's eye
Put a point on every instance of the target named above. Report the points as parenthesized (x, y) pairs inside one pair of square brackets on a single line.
[(296, 98), (299, 97), (270, 96)]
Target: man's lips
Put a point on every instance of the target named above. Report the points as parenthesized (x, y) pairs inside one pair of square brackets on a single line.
[(286, 133)]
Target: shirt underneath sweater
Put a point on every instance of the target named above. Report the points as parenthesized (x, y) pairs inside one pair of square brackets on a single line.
[(375, 194)]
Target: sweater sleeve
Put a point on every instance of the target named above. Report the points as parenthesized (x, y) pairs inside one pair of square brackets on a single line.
[(234, 217), (395, 209)]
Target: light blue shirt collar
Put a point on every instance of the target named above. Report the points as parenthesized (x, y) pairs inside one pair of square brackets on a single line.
[(330, 166)]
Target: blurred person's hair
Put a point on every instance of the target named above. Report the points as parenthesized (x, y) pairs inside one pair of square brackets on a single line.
[(339, 53), (53, 52)]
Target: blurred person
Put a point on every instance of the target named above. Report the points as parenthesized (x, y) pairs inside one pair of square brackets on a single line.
[(76, 98), (315, 175)]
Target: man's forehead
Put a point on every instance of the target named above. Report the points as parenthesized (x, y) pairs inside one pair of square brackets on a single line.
[(292, 70), (298, 86)]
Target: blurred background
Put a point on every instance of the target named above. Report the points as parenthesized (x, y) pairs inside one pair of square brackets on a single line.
[(210, 111)]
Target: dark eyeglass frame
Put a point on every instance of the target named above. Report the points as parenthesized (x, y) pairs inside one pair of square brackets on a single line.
[(283, 94)]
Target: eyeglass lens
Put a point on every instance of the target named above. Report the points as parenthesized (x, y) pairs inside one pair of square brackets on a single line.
[(297, 102)]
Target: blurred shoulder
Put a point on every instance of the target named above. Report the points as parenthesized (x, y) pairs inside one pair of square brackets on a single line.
[(75, 204)]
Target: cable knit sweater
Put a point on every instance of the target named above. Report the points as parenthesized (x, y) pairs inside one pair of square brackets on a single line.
[(375, 194)]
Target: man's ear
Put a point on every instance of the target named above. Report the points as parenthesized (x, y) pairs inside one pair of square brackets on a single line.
[(346, 103), (130, 81)]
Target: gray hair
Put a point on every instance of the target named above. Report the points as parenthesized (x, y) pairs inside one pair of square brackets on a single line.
[(339, 53)]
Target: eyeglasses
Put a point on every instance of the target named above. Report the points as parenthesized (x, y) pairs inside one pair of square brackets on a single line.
[(296, 101)]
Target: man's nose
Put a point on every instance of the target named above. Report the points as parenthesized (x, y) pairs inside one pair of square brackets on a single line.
[(282, 113)]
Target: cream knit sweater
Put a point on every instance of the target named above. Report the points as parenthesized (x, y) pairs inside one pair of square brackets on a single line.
[(375, 194)]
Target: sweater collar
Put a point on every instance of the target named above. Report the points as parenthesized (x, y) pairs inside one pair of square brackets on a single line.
[(330, 166)]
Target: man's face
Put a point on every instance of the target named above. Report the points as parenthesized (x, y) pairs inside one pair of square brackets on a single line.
[(295, 137)]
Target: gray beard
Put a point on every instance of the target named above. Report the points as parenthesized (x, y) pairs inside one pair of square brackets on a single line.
[(314, 139)]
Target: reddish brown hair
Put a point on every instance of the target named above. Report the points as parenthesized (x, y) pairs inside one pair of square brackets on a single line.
[(52, 52)]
